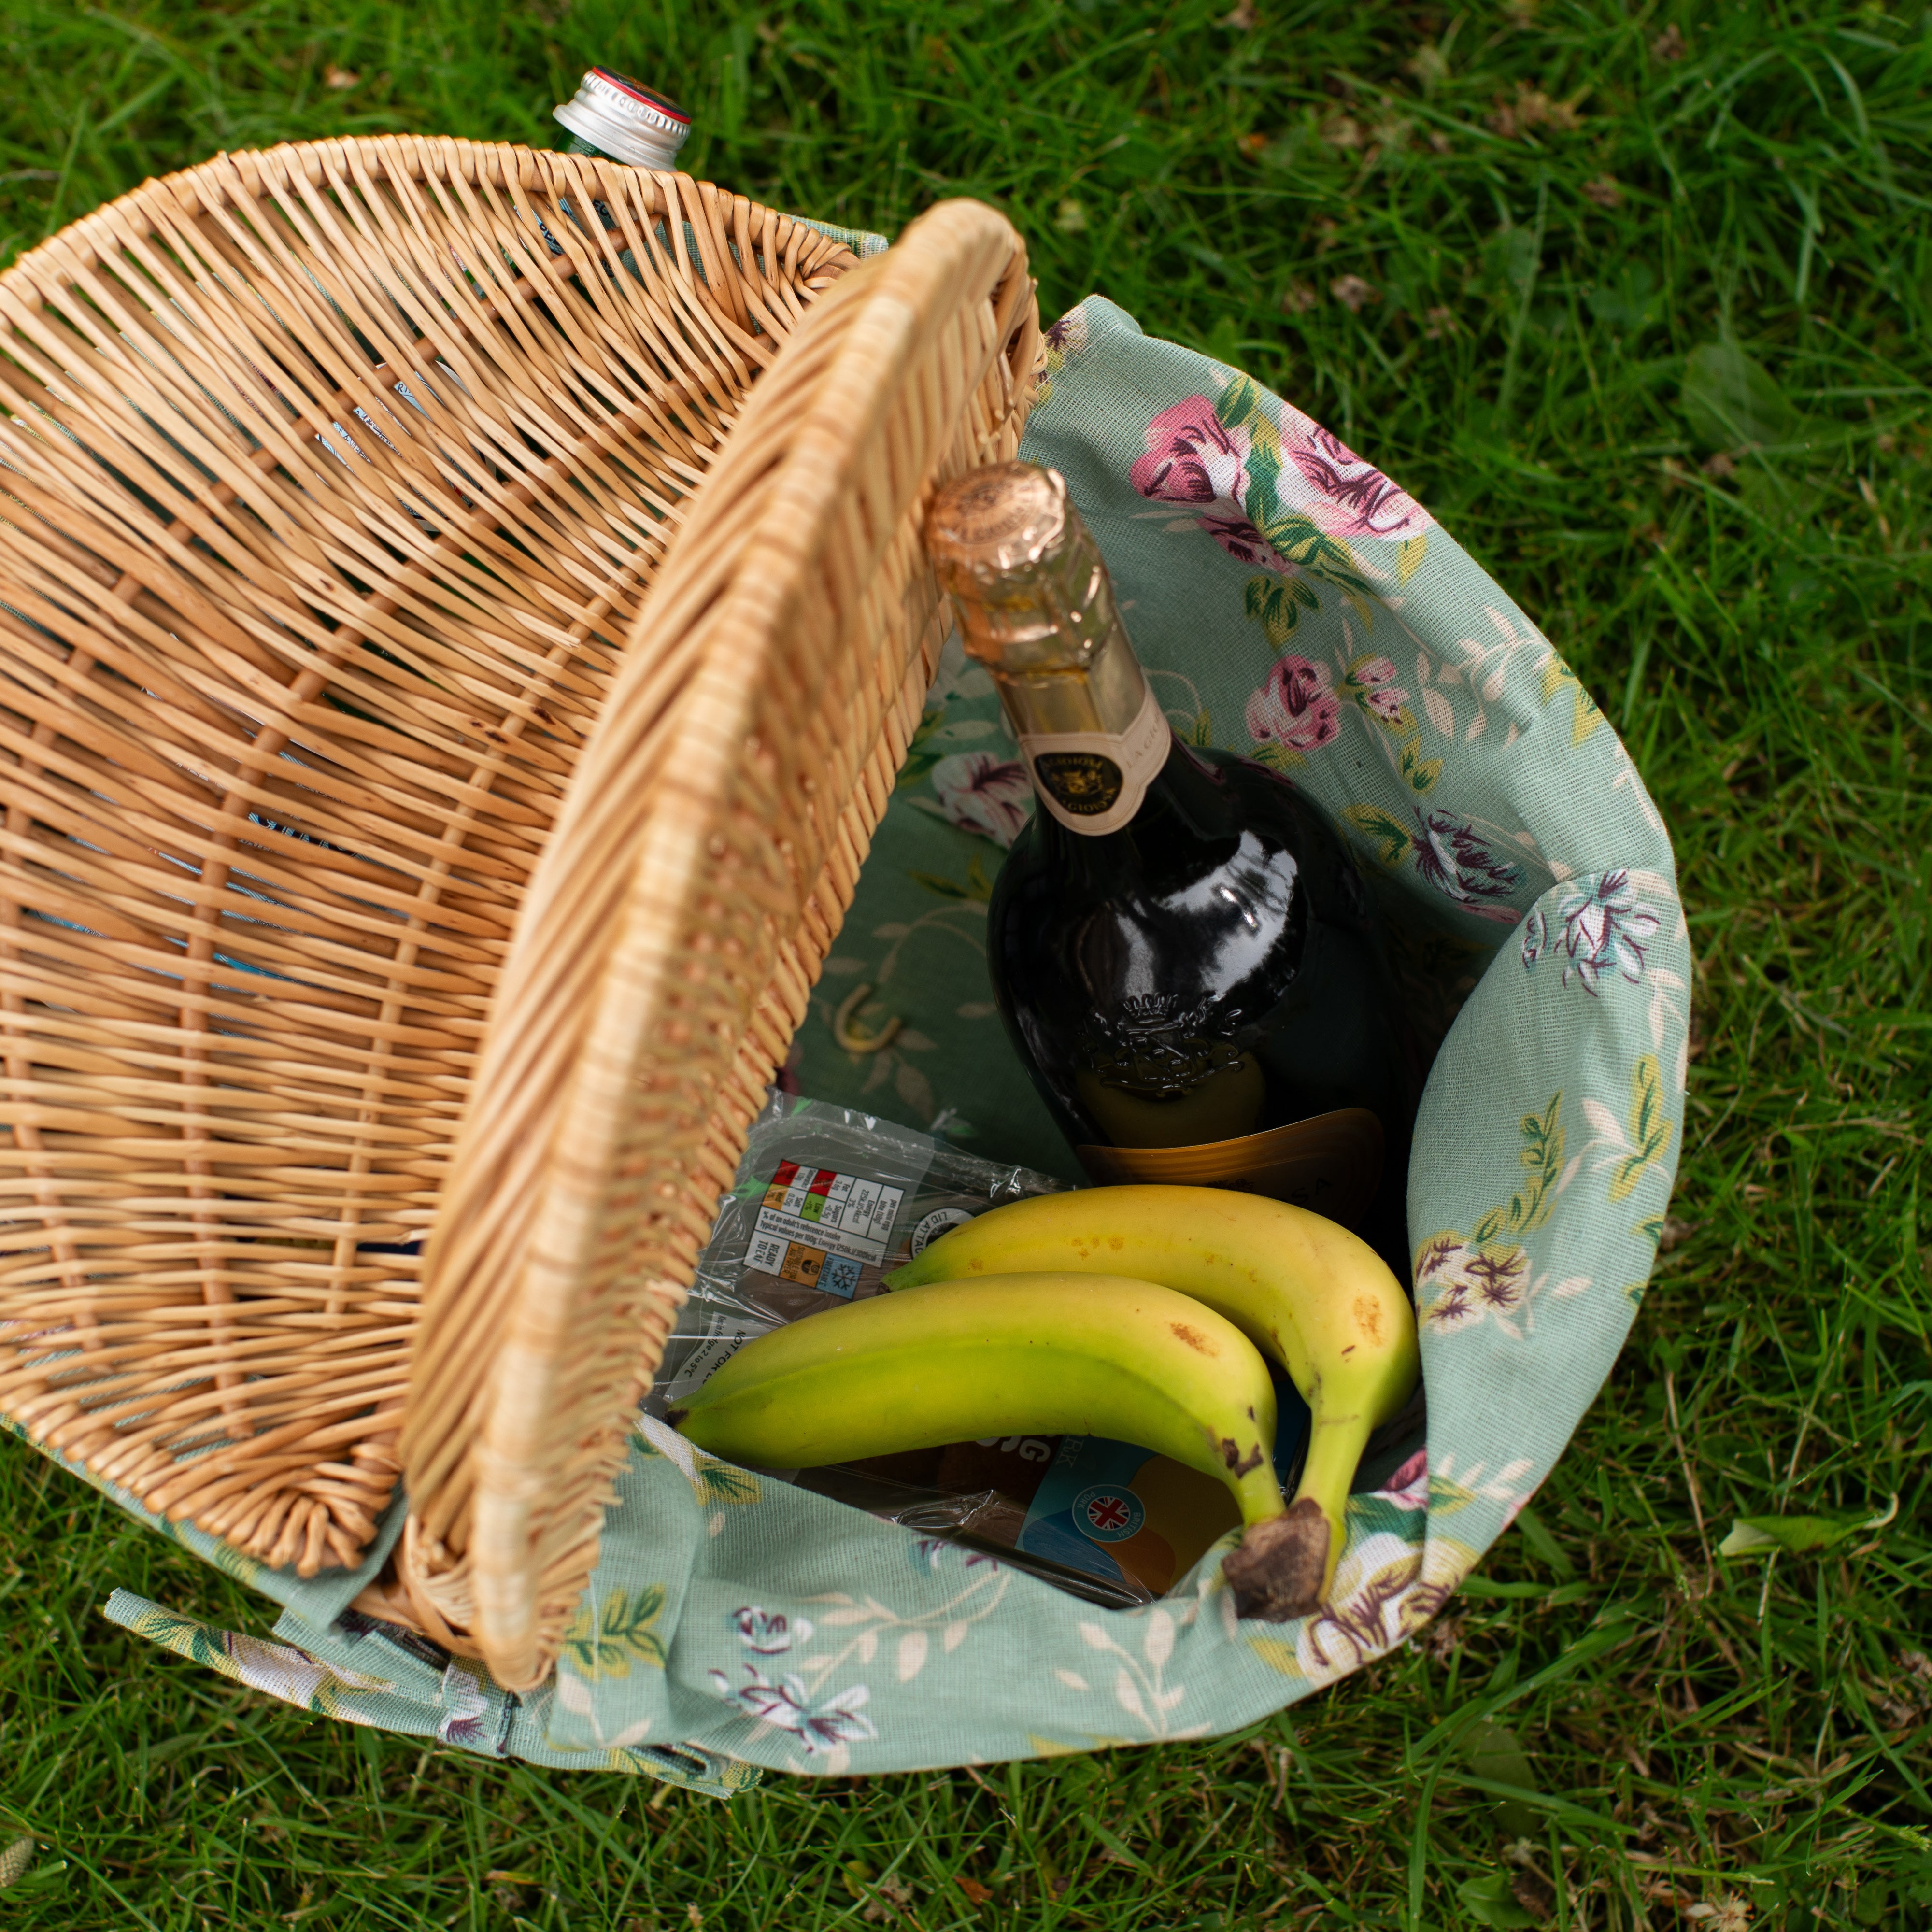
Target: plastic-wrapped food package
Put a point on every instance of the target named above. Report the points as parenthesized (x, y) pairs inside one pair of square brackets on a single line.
[(826, 1202)]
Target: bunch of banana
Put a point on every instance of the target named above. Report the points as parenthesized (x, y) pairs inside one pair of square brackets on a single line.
[(1040, 1354), (1130, 1312), (1306, 1291)]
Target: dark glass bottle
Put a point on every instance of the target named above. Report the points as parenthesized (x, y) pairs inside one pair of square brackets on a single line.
[(1184, 955)]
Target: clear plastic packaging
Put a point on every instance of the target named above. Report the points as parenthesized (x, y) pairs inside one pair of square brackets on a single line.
[(826, 1202)]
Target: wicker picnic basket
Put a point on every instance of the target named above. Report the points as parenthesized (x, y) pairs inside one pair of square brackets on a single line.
[(332, 484)]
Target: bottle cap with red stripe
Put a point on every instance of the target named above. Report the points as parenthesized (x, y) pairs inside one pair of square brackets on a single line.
[(612, 114)]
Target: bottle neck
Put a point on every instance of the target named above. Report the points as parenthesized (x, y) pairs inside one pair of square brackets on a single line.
[(1036, 607), (1092, 735), (1100, 688), (662, 160)]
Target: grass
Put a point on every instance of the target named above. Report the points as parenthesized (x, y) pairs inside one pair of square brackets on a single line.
[(1637, 301)]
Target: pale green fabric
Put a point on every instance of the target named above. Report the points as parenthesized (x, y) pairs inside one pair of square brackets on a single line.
[(862, 242), (1292, 604)]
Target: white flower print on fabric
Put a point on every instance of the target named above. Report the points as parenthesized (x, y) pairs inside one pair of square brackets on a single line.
[(1461, 1284), (769, 1633), (796, 1703), (979, 792), (1467, 1285), (1385, 1590), (1603, 931), (787, 1705)]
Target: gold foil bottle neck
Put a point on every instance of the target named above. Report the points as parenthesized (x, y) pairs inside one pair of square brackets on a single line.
[(1036, 607), (991, 523), (1025, 577)]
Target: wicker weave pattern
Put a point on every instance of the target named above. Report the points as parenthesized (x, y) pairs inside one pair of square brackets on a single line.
[(333, 477), (700, 868)]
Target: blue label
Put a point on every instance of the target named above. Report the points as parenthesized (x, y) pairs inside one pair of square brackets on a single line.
[(1107, 1512), (839, 1275)]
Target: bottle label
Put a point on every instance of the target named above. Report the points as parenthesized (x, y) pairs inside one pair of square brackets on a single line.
[(1093, 781), (1331, 1163)]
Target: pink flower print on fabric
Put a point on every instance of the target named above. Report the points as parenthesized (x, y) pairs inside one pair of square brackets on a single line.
[(1296, 708), (1353, 498), (979, 793), (1408, 1488), (1371, 678), (1193, 458), (1242, 541)]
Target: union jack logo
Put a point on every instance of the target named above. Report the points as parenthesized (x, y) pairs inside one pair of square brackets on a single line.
[(1107, 1512)]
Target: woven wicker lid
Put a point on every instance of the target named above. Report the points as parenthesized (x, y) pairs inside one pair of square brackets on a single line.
[(331, 480), (705, 855)]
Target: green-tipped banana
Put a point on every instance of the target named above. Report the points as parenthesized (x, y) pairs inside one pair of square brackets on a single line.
[(1315, 1297), (1025, 1355)]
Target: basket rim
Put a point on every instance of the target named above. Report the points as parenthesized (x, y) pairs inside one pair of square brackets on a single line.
[(79, 243), (859, 360)]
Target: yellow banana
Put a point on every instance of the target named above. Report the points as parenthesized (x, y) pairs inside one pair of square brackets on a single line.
[(1025, 1355), (1319, 1301)]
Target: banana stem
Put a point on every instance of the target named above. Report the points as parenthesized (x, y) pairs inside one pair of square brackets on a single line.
[(1285, 1567), (1335, 1446), (1258, 1494)]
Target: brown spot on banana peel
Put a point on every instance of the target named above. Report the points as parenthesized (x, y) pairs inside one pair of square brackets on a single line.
[(1239, 1465), (1368, 1313), (1193, 1337), (1276, 1572)]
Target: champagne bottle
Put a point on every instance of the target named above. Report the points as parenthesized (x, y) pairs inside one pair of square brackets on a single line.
[(1184, 955)]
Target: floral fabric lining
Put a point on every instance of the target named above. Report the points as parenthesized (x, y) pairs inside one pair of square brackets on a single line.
[(1293, 603)]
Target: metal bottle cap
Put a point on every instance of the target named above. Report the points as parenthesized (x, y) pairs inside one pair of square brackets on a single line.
[(622, 118)]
